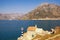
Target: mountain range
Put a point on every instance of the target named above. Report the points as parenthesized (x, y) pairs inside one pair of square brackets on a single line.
[(43, 11)]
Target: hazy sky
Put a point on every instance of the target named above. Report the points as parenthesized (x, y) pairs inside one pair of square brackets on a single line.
[(22, 6)]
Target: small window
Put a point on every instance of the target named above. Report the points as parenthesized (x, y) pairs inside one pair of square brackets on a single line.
[(32, 35)]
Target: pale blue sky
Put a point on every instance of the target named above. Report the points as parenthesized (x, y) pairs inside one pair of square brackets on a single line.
[(22, 6)]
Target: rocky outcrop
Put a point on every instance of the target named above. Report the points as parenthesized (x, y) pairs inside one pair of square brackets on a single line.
[(34, 33)]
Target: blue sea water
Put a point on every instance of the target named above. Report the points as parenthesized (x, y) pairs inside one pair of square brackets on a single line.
[(11, 29)]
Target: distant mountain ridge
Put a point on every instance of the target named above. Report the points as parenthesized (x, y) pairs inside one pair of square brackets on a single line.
[(45, 10), (11, 16)]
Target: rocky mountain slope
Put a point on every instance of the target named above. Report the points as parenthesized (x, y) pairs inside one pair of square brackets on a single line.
[(44, 11)]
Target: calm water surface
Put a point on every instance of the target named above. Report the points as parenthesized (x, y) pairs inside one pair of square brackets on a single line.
[(10, 29)]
